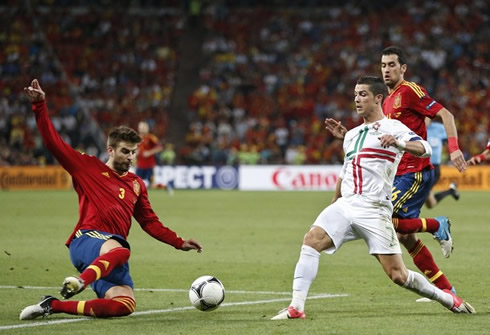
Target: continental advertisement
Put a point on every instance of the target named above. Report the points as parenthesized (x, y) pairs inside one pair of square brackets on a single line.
[(34, 178), (475, 178)]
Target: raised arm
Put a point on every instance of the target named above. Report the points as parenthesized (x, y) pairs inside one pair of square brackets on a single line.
[(69, 158)]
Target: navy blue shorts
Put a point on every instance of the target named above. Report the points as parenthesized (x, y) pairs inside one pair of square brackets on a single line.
[(409, 193), (145, 174), (86, 248)]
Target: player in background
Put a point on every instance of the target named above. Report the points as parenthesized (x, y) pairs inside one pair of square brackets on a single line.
[(147, 149), (483, 157), (436, 136), (109, 196), (362, 207)]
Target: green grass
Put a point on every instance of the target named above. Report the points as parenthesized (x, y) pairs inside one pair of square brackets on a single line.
[(251, 243)]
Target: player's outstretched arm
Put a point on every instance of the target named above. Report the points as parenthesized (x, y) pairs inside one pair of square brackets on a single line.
[(335, 127), (484, 156), (35, 92), (191, 244), (418, 148)]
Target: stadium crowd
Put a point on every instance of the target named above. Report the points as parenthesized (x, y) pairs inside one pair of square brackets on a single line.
[(274, 73)]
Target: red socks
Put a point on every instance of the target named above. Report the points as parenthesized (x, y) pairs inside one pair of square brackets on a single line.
[(104, 264), (425, 262), (407, 226), (100, 308)]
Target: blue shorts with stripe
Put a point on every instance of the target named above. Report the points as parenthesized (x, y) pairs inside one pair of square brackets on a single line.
[(85, 248), (409, 193)]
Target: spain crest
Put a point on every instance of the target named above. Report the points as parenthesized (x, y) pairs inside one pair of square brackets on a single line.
[(136, 187), (398, 101)]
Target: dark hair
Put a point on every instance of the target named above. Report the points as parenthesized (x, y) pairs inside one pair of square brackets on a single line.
[(375, 83), (394, 50), (122, 134)]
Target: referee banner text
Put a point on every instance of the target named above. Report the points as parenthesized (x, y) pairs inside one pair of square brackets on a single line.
[(34, 178), (475, 178)]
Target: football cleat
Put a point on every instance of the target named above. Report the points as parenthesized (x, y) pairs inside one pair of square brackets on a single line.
[(71, 286), (43, 308), (454, 190), (459, 305), (289, 313), (443, 235)]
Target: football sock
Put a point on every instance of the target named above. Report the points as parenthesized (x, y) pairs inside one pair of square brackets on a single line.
[(304, 274), (104, 264), (407, 226), (441, 195), (423, 259), (100, 308), (418, 284)]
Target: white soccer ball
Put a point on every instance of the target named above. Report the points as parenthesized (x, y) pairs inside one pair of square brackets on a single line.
[(206, 293)]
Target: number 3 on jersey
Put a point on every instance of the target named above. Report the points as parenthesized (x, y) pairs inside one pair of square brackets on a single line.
[(122, 192)]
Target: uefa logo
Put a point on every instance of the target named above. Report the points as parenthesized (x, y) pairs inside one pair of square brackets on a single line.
[(226, 178)]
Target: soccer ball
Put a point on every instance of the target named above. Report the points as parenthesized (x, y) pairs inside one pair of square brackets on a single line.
[(206, 293)]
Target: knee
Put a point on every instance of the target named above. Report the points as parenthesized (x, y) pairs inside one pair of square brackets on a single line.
[(318, 240), (398, 276)]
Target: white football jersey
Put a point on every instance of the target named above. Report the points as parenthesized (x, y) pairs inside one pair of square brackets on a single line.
[(369, 169)]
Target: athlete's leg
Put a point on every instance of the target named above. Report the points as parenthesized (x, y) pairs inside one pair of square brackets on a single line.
[(395, 269)]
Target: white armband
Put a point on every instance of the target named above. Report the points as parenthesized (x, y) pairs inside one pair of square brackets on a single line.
[(400, 144)]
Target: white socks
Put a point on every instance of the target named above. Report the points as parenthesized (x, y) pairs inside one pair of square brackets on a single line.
[(304, 274), (418, 284)]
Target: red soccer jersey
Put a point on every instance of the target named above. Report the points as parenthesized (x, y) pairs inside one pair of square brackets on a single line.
[(410, 104), (149, 142), (107, 201)]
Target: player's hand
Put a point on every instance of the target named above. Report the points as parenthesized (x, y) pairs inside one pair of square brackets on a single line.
[(387, 141), (335, 127), (458, 160), (34, 92), (476, 159), (191, 244)]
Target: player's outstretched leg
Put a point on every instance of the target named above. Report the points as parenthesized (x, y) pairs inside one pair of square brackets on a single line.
[(443, 235), (41, 309), (417, 283), (99, 308)]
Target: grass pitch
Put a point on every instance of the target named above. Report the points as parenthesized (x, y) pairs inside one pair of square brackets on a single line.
[(251, 243)]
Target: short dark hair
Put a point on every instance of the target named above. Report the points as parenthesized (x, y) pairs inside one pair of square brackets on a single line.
[(375, 83), (122, 134), (394, 50)]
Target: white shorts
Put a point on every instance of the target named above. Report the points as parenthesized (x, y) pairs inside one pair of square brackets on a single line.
[(354, 218)]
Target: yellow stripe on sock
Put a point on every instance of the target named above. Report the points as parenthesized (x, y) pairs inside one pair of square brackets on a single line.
[(436, 276), (417, 250), (424, 225), (80, 307), (129, 303), (98, 273)]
